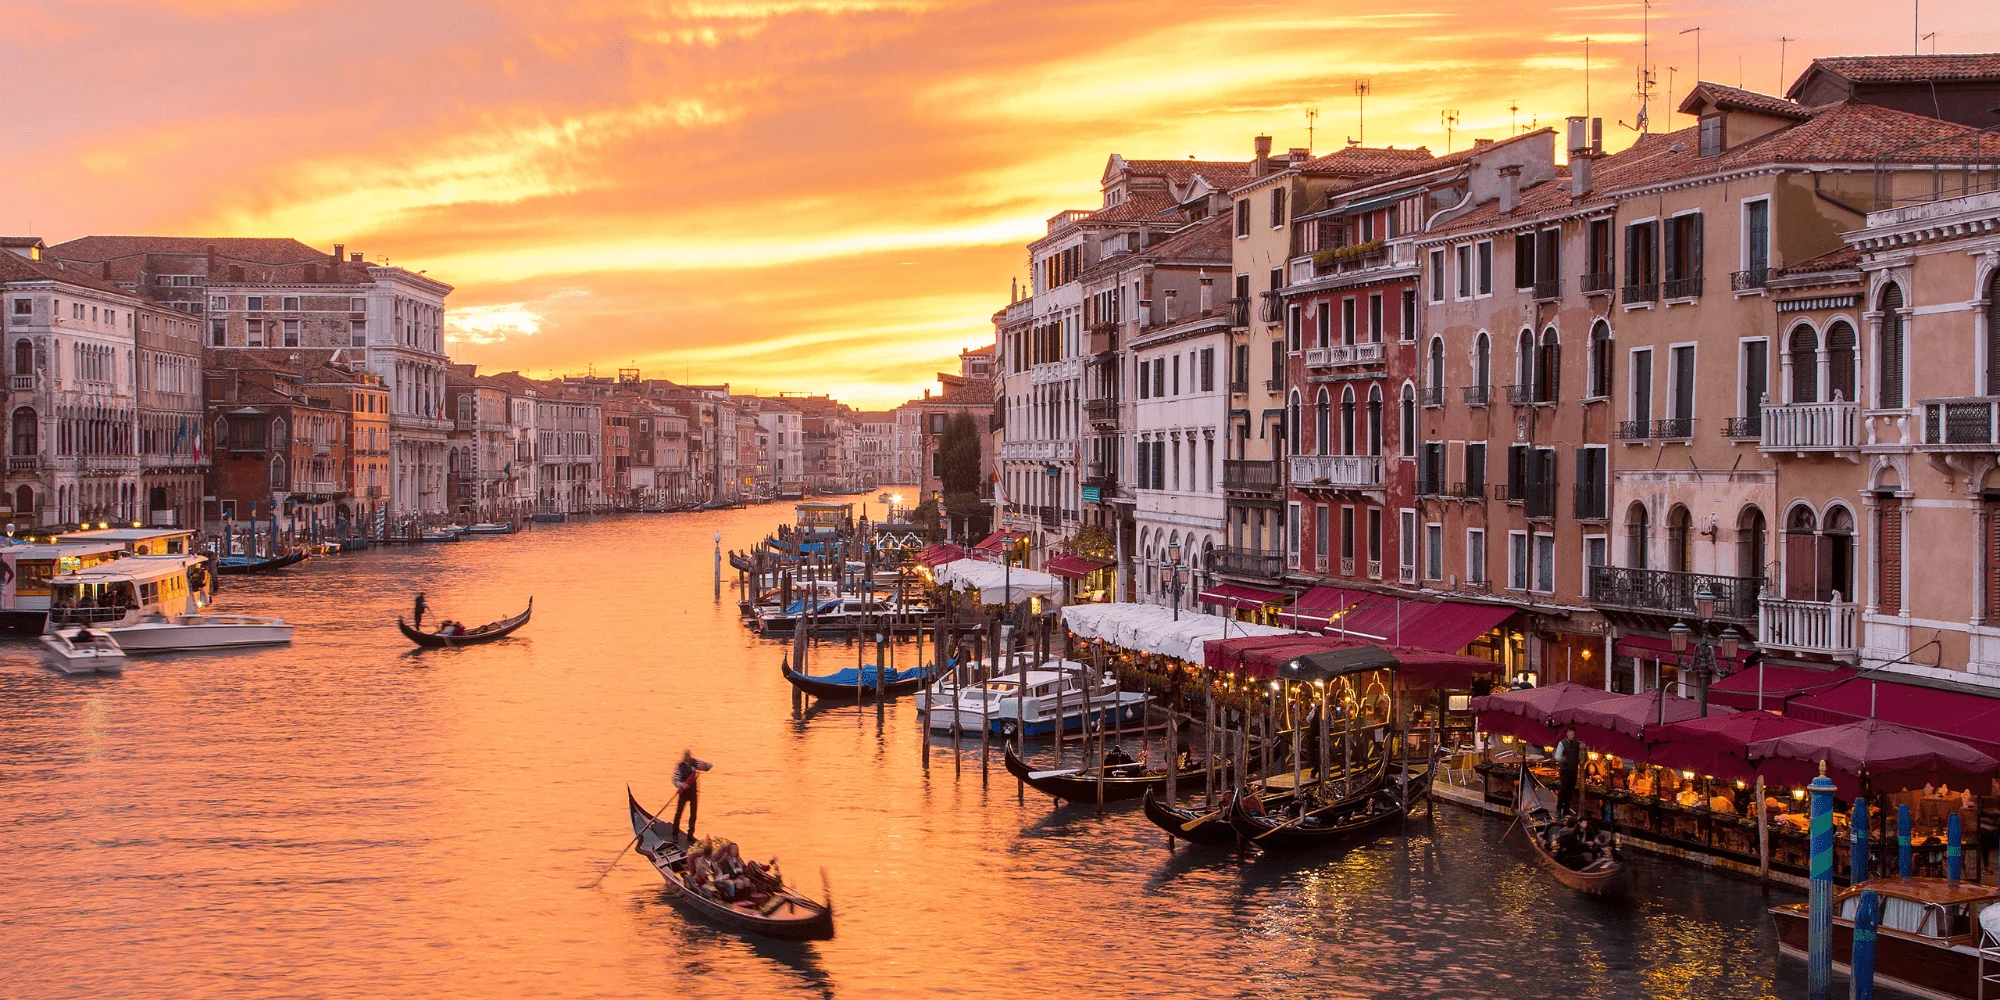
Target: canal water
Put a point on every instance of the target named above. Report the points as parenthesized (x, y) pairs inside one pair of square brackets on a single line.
[(349, 818)]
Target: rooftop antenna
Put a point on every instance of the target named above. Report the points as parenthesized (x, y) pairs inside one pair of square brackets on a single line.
[(1641, 123), (1671, 70), (1449, 119), (1782, 41), (1933, 37), (1916, 22), (1586, 76), (1312, 118), (1696, 32), (1513, 108), (1361, 89)]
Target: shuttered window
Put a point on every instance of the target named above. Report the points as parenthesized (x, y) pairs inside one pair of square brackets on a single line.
[(1840, 363), (1992, 550), (1993, 335), (1889, 578), (1890, 393)]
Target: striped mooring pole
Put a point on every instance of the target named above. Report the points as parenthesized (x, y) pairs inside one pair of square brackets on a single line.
[(1819, 933), (1867, 917), (1954, 850), (1905, 860), (1857, 853)]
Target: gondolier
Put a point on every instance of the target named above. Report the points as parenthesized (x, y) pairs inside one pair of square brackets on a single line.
[(417, 613), (687, 782), (1569, 755)]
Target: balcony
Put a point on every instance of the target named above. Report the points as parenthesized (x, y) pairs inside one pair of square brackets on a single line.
[(1596, 282), (1744, 428), (1674, 428), (1252, 476), (1342, 355), (1051, 517), (1671, 595), (1750, 280), (1521, 395), (1590, 501), (1271, 306), (1350, 472), (1646, 291), (1240, 387), (1682, 288), (1478, 395), (1249, 563), (1101, 411), (1469, 491), (1431, 396), (1810, 427), (23, 463), (1548, 288), (22, 383), (1809, 626), (1961, 424), (1239, 312), (1274, 384)]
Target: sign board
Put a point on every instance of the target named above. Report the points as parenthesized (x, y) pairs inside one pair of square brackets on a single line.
[(1092, 494)]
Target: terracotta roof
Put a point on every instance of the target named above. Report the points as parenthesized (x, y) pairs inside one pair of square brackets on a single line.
[(282, 261), (1842, 258), (1223, 173), (974, 392), (14, 267), (1724, 98), (1145, 206), (1906, 69), (1364, 160), (1207, 241)]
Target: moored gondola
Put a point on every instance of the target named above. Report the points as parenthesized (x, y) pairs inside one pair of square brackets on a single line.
[(1339, 823), (851, 684), (1599, 873), (491, 632), (1122, 782), (772, 909), (1206, 827), (238, 565)]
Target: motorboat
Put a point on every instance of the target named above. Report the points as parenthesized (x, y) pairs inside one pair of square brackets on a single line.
[(439, 535), (1035, 706), (1927, 942), (81, 650), (126, 591), (161, 633), (943, 692), (842, 612), (489, 528)]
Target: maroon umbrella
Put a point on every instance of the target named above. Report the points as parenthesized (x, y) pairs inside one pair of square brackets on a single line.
[(1720, 744), (1888, 757), (1527, 713), (1617, 724)]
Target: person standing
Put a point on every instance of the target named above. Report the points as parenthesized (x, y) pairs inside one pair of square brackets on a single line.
[(687, 783), (1569, 755)]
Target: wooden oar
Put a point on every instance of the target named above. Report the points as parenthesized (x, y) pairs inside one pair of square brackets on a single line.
[(655, 814), (1198, 820), (1290, 822)]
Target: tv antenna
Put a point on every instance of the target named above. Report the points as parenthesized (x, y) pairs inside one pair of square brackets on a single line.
[(1671, 70), (1449, 119), (1783, 40), (1361, 89), (1696, 32), (1933, 39), (1513, 110), (1312, 117), (1641, 123)]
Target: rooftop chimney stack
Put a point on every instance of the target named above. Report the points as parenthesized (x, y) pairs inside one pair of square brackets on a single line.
[(1263, 155), (354, 258), (1586, 143), (1510, 189)]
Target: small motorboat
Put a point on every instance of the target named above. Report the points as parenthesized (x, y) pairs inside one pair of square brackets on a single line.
[(770, 908), (171, 633), (549, 517), (489, 528), (490, 632), (438, 535), (1928, 941), (81, 650)]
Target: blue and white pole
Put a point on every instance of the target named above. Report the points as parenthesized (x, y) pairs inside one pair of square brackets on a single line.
[(1905, 861), (1819, 933), (1867, 917), (1857, 852), (1954, 857)]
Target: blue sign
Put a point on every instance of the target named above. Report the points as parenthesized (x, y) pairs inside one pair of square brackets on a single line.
[(1092, 494)]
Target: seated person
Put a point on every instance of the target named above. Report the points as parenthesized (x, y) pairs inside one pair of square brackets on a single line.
[(1723, 804), (1642, 784), (1687, 797), (1117, 756), (1569, 850)]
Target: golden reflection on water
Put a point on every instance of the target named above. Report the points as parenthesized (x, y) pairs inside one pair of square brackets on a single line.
[(347, 817)]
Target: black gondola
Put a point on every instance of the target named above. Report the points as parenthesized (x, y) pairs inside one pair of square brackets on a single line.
[(1122, 782), (237, 565), (783, 913), (1207, 827), (491, 632), (824, 687), (1340, 822)]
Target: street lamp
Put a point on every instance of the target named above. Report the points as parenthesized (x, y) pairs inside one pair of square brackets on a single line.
[(1170, 564), (1707, 645)]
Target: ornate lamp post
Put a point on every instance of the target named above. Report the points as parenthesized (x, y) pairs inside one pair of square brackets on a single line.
[(1706, 644), (1171, 565)]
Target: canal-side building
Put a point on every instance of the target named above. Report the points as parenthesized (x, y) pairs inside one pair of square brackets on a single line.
[(280, 447), (479, 460), (173, 465)]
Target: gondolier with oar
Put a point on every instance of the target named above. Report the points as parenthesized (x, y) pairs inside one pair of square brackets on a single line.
[(417, 612), (687, 785)]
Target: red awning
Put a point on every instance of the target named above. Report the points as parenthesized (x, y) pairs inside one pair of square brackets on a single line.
[(998, 540), (1526, 713), (1261, 655), (1235, 595), (1718, 745), (1971, 719), (1440, 626), (1893, 757), (1074, 567), (1618, 723), (1778, 681), (939, 553), (1649, 648)]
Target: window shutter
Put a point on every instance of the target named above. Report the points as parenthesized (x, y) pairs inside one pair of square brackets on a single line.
[(1889, 586), (1517, 471), (1524, 260), (1992, 562), (1673, 269), (1475, 467), (1632, 255), (1890, 393), (1694, 246)]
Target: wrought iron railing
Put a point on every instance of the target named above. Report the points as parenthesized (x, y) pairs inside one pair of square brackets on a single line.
[(1682, 288), (1967, 420), (1549, 288), (1477, 395), (1751, 426), (1249, 562), (1749, 279), (1645, 291), (1666, 592), (1634, 430), (1674, 427), (1431, 395), (1597, 281)]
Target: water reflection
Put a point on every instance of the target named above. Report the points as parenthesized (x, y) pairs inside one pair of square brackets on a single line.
[(349, 818)]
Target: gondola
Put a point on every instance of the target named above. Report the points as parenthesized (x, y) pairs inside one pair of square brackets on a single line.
[(1122, 783), (1383, 798), (485, 633), (1206, 827), (841, 685), (1536, 805), (784, 913), (236, 565)]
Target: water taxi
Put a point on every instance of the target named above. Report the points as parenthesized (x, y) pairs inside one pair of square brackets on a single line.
[(26, 569), (1050, 698), (153, 603), (83, 651), (844, 612), (1927, 943)]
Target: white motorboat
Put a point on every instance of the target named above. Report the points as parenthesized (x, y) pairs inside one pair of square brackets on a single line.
[(79, 650), (159, 633), (123, 591), (1050, 698), (944, 691)]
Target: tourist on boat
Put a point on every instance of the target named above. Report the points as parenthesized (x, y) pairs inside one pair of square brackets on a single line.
[(1569, 758), (1183, 756), (687, 777), (1117, 757)]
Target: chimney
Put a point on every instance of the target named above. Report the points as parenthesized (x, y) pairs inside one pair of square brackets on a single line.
[(1263, 155), (1510, 189), (105, 270), (1297, 155), (211, 256), (1170, 306), (1207, 295), (1481, 143), (354, 258), (339, 251)]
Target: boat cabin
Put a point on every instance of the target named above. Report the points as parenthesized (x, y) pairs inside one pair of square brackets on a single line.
[(1923, 907), (139, 541), (822, 517), (124, 591), (24, 586)]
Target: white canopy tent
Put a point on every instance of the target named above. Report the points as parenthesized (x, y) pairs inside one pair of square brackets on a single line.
[(994, 581), (1150, 628)]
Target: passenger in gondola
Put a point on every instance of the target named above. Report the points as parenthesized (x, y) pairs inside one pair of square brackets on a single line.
[(1117, 757), (1569, 849), (1253, 803), (1183, 756), (1597, 841)]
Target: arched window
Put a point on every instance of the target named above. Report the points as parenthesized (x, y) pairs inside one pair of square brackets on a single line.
[(1322, 428), (24, 357), (1407, 427), (1637, 530), (1993, 333), (278, 473), (1600, 358), (1548, 367), (1524, 364), (278, 433), (1293, 418), (1889, 393), (25, 433), (1347, 421), (1803, 349), (1840, 363), (1801, 553), (1375, 419), (1482, 363), (1680, 540), (221, 438), (1837, 542), (1436, 372), (1750, 542)]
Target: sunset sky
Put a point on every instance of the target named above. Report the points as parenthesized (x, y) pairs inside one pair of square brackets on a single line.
[(820, 195)]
